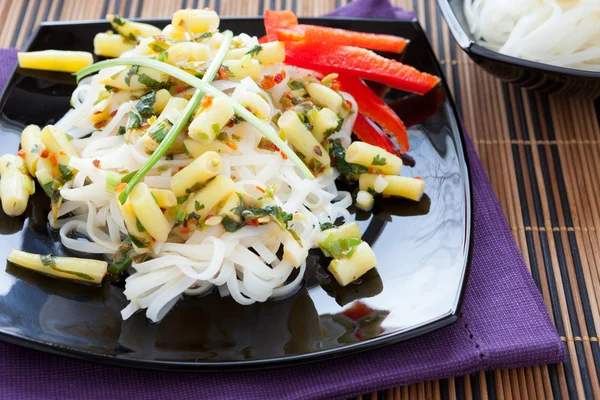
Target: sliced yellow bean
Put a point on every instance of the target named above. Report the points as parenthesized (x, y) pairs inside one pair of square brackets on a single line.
[(206, 199), (195, 149), (400, 186), (55, 60), (240, 70), (164, 198), (119, 80), (305, 144), (149, 213), (209, 120), (132, 29), (187, 51), (111, 45), (324, 96), (205, 167), (33, 146), (346, 270), (15, 185), (270, 53), (131, 223), (373, 157), (77, 269), (196, 21)]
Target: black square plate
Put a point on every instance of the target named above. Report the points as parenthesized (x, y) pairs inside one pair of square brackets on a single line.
[(423, 249)]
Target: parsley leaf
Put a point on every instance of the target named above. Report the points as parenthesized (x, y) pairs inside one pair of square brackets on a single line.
[(338, 155), (132, 71), (121, 130), (144, 106), (66, 173), (230, 224), (198, 206), (255, 50), (327, 225), (378, 160), (151, 82), (295, 85), (134, 121)]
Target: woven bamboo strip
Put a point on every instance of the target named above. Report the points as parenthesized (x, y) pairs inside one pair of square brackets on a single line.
[(552, 245)]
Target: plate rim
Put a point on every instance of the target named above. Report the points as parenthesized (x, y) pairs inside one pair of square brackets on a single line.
[(208, 366)]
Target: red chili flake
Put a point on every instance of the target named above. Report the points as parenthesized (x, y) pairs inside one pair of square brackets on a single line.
[(260, 189), (248, 108), (62, 153), (347, 105), (120, 187), (208, 216), (267, 82), (252, 222), (318, 151), (180, 168), (206, 101), (278, 78), (335, 85), (112, 114), (44, 153), (21, 153), (96, 163), (230, 124), (288, 95), (145, 126), (222, 73), (419, 178), (53, 159), (283, 155), (372, 170), (98, 112), (179, 89), (231, 145), (283, 74), (193, 221), (100, 124), (185, 230)]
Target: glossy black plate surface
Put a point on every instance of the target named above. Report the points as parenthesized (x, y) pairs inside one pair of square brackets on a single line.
[(529, 74), (423, 249)]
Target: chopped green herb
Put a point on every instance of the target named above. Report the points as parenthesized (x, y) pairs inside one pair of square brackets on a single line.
[(69, 137), (122, 258), (180, 215), (132, 71), (162, 168), (170, 156), (138, 242), (182, 199), (378, 160), (145, 106), (327, 225), (139, 226), (230, 224), (118, 21), (122, 130), (339, 247), (151, 82), (338, 154), (216, 128), (295, 85), (255, 50), (48, 259), (158, 45), (134, 121), (331, 131), (198, 206), (205, 35), (159, 131), (131, 37), (66, 173)]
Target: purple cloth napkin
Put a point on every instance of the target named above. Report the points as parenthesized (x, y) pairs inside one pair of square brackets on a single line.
[(504, 324)]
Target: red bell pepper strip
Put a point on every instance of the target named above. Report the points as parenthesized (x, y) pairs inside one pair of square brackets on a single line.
[(283, 25), (263, 39), (374, 107), (359, 62), (277, 20), (320, 34), (369, 133)]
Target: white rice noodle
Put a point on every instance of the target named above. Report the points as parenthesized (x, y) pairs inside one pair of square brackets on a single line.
[(559, 32)]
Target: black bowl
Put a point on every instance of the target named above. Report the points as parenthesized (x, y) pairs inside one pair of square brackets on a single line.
[(529, 74)]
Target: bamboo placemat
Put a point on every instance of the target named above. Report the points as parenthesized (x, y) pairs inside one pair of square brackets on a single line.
[(542, 154)]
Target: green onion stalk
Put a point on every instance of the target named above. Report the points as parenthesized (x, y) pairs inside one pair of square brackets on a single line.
[(203, 86)]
